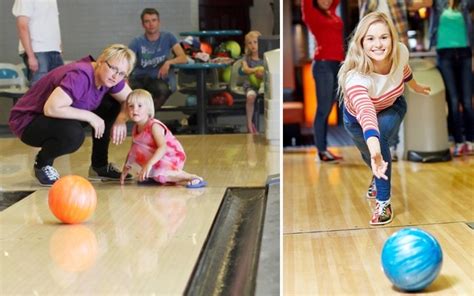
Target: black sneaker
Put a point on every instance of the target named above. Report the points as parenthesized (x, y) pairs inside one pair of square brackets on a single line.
[(327, 156), (107, 172), (46, 175)]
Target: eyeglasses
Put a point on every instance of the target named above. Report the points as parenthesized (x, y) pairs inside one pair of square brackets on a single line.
[(116, 70)]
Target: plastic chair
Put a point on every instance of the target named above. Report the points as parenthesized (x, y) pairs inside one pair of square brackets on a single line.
[(237, 79), (12, 81)]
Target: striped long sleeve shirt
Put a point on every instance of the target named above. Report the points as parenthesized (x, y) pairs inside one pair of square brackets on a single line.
[(366, 95)]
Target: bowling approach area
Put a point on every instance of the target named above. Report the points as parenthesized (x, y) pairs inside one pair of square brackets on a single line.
[(145, 239), (329, 247)]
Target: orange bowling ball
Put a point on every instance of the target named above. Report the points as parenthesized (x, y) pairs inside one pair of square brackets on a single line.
[(206, 47), (72, 199)]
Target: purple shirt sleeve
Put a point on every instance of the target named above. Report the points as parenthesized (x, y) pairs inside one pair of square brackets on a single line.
[(76, 83), (117, 88)]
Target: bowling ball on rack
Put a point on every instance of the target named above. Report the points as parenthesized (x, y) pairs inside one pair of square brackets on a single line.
[(191, 100), (411, 259), (229, 99), (225, 74), (206, 47), (72, 199), (222, 98), (233, 48)]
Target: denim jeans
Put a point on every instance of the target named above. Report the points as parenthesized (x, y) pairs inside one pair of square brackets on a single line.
[(160, 89), (389, 121), (455, 66), (47, 61), (325, 76)]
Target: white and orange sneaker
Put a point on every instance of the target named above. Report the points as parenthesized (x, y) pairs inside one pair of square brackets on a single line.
[(383, 213)]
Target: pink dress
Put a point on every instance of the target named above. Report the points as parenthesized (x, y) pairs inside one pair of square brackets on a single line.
[(144, 146)]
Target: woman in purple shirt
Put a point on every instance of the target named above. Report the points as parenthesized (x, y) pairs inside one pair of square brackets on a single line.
[(52, 114)]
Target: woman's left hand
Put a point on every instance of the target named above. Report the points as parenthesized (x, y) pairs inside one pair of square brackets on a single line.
[(119, 133), (422, 89)]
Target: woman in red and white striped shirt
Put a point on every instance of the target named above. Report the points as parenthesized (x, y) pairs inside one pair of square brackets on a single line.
[(371, 81)]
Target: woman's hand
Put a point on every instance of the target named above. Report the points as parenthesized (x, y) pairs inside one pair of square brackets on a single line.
[(119, 133), (378, 165), (97, 124), (419, 88)]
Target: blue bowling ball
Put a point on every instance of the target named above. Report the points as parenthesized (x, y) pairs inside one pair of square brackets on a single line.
[(191, 100), (411, 259)]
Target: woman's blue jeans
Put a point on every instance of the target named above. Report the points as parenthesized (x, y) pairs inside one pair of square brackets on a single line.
[(389, 121), (325, 77), (455, 66)]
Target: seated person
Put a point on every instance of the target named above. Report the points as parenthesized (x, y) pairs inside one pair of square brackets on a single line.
[(154, 50)]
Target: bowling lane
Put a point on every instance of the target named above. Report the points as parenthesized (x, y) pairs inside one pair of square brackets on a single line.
[(323, 197), (348, 262), (144, 239), (223, 160), (141, 239)]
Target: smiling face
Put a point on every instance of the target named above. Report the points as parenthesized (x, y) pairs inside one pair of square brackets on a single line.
[(377, 42)]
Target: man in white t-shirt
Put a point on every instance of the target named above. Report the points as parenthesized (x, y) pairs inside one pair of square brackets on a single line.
[(37, 22)]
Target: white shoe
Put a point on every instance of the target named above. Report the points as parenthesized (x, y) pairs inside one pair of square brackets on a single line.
[(261, 90)]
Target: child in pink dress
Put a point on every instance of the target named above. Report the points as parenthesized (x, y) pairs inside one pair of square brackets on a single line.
[(154, 148)]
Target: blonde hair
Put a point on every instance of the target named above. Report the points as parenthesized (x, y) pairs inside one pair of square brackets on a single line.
[(121, 52), (356, 59), (143, 97), (250, 35)]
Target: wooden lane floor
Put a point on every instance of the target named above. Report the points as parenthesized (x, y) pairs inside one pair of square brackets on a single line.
[(223, 160), (141, 239), (329, 247), (347, 262)]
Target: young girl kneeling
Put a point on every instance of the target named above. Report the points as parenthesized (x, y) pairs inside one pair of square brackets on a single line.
[(154, 148)]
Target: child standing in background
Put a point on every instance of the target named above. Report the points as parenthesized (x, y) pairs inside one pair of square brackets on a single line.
[(154, 148), (252, 65), (371, 81)]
